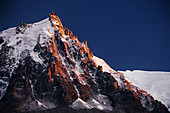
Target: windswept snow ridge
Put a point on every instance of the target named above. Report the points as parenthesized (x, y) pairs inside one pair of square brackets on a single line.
[(44, 66), (156, 83), (105, 66)]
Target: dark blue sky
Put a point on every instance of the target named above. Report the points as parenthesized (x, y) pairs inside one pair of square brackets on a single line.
[(127, 34)]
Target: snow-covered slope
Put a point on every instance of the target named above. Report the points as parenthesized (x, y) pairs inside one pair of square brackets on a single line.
[(105, 66), (43, 65), (23, 44), (156, 83), (101, 102)]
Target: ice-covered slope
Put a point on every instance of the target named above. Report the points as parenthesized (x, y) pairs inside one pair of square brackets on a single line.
[(43, 65), (156, 83), (105, 66), (23, 44)]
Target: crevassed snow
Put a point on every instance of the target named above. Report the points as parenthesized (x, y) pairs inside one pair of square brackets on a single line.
[(156, 83)]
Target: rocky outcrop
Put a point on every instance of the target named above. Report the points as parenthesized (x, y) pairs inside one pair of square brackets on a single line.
[(58, 70)]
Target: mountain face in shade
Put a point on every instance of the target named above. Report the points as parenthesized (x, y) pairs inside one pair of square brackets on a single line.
[(43, 66)]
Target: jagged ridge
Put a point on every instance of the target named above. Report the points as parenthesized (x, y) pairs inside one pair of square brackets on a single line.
[(55, 69)]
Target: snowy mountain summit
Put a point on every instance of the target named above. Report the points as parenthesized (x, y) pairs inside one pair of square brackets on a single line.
[(43, 66)]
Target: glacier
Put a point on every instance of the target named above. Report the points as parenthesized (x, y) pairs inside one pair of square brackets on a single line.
[(43, 66), (156, 83)]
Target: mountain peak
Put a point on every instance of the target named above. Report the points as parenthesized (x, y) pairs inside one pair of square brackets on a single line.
[(43, 65), (55, 20)]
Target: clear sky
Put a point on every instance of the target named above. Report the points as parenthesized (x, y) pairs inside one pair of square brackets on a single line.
[(127, 34)]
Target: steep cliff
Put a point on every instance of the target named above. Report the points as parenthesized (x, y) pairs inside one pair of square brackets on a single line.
[(44, 66)]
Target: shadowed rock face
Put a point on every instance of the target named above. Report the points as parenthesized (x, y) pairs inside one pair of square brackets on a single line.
[(57, 70)]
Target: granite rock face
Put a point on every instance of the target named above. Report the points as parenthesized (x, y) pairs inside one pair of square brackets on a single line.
[(45, 69)]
